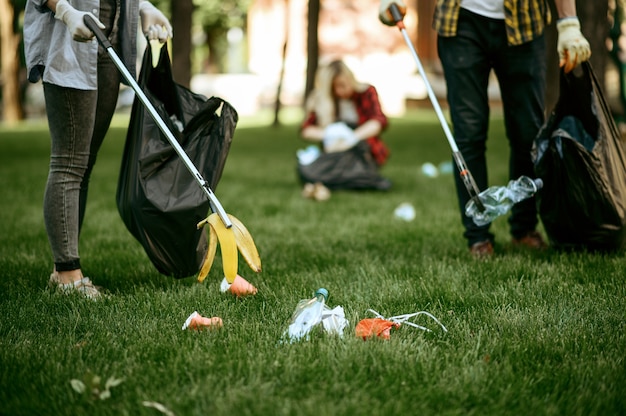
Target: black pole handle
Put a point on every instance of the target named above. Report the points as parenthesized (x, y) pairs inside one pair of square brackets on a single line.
[(93, 26), (395, 13)]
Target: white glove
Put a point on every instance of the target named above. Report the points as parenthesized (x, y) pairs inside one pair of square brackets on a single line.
[(73, 19), (572, 46), (384, 14), (154, 23), (338, 137)]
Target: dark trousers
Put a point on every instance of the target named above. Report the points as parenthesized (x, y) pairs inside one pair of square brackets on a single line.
[(468, 58)]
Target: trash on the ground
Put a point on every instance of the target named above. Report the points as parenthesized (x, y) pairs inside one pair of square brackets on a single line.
[(196, 322), (405, 211), (306, 316), (446, 168), (91, 385), (158, 406), (375, 327), (334, 320), (240, 287), (430, 170), (310, 313), (498, 200), (308, 155), (381, 326)]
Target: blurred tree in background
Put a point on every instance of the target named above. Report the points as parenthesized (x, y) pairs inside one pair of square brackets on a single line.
[(199, 45), (216, 19), (12, 77), (202, 29)]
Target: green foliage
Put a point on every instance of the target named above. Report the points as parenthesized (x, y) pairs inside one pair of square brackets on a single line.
[(214, 19), (221, 14), (529, 333)]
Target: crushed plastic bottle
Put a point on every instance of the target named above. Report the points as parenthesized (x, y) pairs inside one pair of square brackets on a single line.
[(498, 200), (307, 315)]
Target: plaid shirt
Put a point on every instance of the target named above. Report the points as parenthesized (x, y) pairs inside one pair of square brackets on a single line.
[(368, 108), (525, 19)]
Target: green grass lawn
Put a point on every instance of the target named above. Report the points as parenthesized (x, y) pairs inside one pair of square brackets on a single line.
[(529, 333)]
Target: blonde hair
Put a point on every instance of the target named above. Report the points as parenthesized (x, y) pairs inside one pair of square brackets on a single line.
[(322, 101)]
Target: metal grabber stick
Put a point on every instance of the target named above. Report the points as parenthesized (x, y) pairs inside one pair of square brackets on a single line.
[(464, 172), (213, 201)]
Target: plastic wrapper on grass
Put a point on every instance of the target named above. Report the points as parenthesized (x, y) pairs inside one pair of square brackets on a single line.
[(380, 327)]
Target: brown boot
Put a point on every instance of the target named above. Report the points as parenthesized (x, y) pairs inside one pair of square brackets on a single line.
[(531, 240), (482, 249)]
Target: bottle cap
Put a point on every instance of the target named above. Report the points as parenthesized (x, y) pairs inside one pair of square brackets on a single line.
[(323, 292)]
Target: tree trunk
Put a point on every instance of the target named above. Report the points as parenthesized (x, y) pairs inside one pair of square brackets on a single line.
[(279, 88), (214, 42), (182, 11), (10, 38), (312, 46)]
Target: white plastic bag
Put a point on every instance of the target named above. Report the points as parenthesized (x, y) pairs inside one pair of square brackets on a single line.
[(338, 137)]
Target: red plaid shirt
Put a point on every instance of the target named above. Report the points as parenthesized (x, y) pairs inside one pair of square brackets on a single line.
[(367, 108)]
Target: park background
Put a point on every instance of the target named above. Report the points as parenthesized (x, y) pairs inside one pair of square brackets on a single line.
[(262, 54), (528, 333)]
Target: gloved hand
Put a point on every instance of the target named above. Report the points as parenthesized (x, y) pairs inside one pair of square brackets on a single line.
[(384, 14), (572, 46), (154, 23), (338, 137), (73, 19)]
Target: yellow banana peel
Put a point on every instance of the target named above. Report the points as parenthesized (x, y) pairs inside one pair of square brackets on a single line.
[(232, 240), (245, 244)]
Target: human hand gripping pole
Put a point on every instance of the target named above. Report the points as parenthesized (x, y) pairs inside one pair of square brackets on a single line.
[(391, 12), (216, 206), (74, 21)]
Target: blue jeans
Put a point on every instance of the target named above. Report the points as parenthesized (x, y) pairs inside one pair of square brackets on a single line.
[(468, 58), (78, 121)]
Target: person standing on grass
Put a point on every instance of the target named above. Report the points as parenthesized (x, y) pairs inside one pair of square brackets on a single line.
[(342, 107), (506, 36), (81, 85)]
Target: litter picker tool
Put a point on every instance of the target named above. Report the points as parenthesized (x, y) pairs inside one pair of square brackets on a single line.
[(466, 175), (215, 204)]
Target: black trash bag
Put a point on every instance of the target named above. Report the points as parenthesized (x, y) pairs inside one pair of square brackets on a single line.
[(354, 168), (580, 157), (158, 198)]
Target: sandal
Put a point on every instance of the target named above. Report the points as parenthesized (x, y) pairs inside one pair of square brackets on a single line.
[(83, 286)]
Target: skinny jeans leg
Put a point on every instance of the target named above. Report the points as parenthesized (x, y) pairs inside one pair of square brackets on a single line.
[(78, 121)]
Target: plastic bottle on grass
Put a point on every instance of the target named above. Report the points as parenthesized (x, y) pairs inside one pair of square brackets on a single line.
[(307, 315), (498, 200)]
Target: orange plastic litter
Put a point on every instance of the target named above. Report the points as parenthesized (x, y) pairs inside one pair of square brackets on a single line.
[(371, 327), (240, 287), (198, 322)]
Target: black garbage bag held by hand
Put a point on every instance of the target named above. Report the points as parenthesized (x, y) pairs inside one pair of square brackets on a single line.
[(580, 157), (157, 197)]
